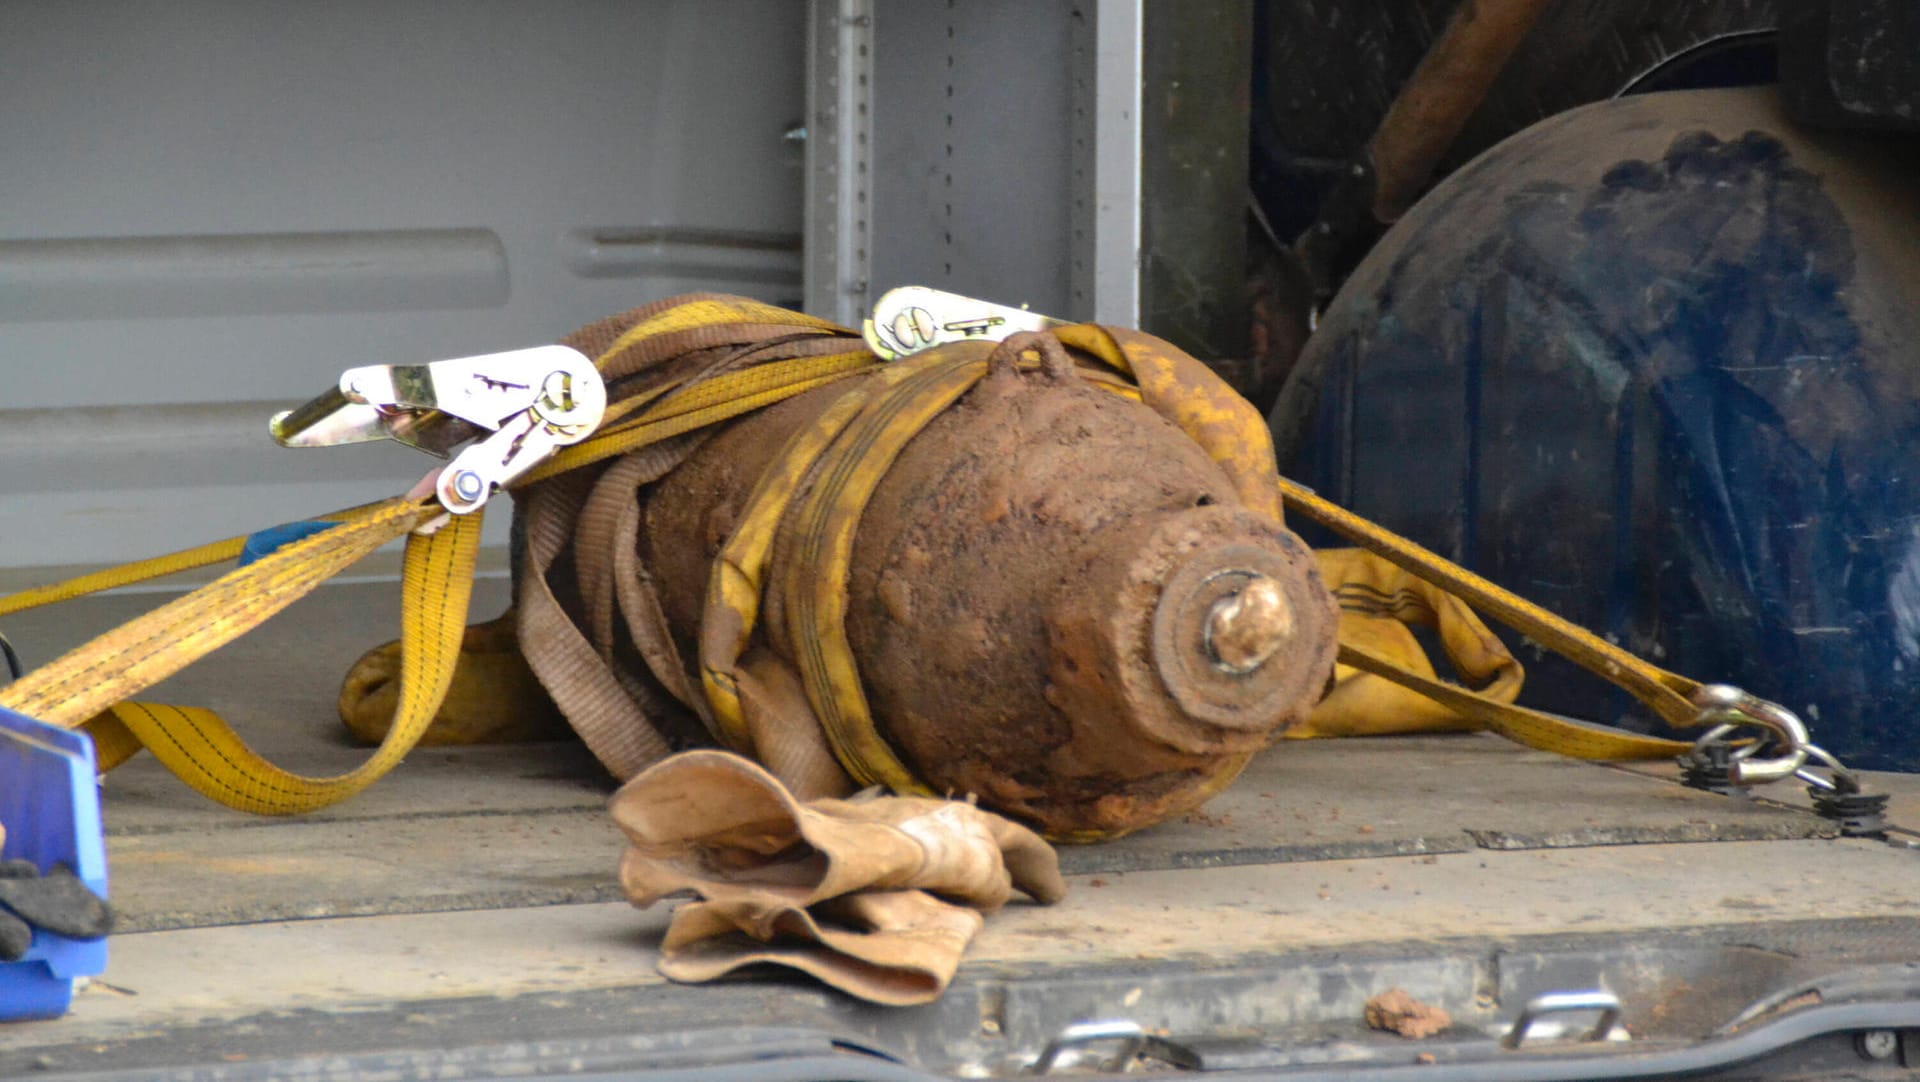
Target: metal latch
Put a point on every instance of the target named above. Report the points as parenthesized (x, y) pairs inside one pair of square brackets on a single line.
[(1542, 1007), (524, 404), (1073, 1041)]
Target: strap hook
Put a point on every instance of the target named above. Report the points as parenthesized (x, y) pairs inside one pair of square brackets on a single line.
[(1728, 709)]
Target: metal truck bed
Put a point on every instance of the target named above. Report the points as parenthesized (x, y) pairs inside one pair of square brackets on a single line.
[(462, 916)]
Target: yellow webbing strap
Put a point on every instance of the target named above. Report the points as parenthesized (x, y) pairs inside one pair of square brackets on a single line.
[(710, 402), (1662, 691), (202, 750), (152, 647), (88, 685), (716, 312), (816, 585), (737, 576), (113, 578), (1192, 396), (851, 447)]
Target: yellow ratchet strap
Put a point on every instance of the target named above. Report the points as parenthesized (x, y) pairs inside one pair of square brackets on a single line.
[(816, 585), (86, 687), (849, 448), (1217, 419), (1665, 693), (852, 444), (709, 402), (738, 573), (139, 571)]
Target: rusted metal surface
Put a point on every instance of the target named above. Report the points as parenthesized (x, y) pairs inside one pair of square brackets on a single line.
[(1030, 598), (1330, 69), (1445, 89), (1389, 173), (1345, 87)]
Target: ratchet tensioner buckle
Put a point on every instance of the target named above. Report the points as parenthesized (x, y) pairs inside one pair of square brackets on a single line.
[(524, 404)]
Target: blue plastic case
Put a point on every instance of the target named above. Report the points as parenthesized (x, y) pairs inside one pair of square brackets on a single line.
[(50, 805)]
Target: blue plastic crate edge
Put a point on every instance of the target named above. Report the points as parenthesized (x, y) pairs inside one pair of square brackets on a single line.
[(50, 804)]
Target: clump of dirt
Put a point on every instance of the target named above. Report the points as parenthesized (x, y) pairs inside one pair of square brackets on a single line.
[(1397, 1012)]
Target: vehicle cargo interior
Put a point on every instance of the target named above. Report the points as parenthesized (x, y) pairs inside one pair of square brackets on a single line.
[(869, 539)]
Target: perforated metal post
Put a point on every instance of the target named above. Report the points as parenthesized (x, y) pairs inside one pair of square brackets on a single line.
[(991, 150)]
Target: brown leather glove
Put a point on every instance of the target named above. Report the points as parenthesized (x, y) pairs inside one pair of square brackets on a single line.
[(842, 874), (719, 824), (895, 947)]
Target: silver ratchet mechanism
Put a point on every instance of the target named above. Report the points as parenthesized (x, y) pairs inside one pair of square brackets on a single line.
[(909, 319), (522, 406)]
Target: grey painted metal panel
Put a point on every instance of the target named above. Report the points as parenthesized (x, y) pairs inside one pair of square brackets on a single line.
[(839, 140), (1108, 68), (81, 278), (989, 147), (971, 153), (211, 208)]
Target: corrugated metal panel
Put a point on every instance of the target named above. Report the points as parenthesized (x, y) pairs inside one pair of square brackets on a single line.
[(987, 147), (208, 209)]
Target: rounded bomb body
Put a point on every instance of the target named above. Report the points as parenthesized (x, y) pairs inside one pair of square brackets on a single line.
[(989, 571), (1055, 601)]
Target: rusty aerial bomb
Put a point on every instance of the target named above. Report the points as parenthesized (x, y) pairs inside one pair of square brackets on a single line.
[(1055, 601), (1057, 590)]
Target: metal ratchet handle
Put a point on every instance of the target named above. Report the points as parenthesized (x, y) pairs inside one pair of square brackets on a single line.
[(528, 402), (485, 389), (569, 402), (909, 319)]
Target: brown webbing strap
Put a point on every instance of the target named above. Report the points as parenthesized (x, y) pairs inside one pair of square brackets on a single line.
[(601, 645)]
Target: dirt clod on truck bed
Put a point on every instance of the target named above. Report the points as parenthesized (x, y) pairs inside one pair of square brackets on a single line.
[(1397, 1012)]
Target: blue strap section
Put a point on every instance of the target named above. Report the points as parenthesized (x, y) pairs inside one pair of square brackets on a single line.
[(269, 540)]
